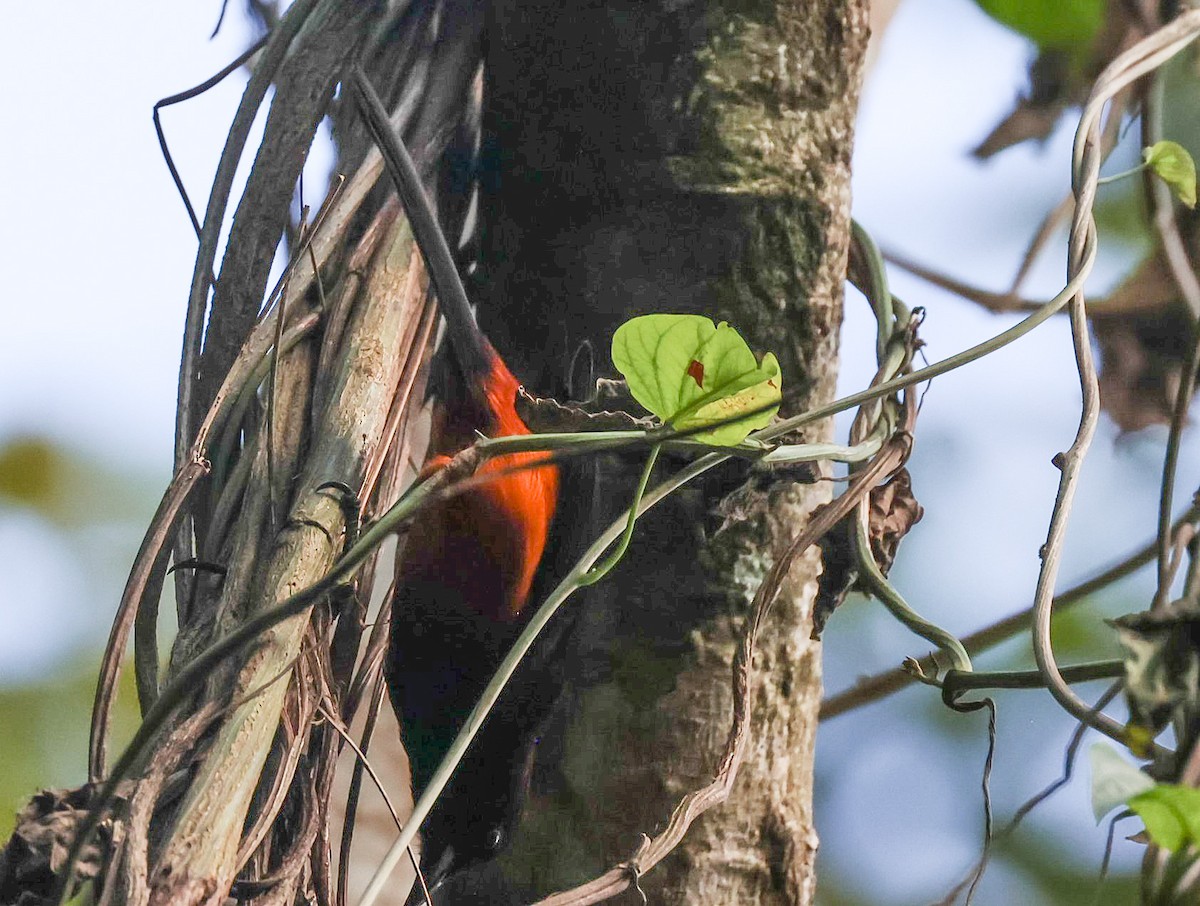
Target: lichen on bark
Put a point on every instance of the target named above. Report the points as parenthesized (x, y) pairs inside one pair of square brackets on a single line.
[(716, 163)]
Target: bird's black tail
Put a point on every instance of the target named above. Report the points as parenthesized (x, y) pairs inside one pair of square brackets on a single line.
[(431, 149), (442, 652)]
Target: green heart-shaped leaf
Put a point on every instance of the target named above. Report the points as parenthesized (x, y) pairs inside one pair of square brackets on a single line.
[(1171, 814), (691, 372), (1172, 163)]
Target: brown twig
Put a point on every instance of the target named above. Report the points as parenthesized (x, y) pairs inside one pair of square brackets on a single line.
[(150, 560), (344, 733), (360, 765), (272, 57), (997, 303)]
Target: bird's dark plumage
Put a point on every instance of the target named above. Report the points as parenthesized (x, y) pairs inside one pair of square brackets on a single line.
[(474, 564)]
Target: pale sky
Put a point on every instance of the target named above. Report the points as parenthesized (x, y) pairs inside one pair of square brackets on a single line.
[(97, 254)]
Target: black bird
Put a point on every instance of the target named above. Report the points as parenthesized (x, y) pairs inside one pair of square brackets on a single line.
[(474, 565)]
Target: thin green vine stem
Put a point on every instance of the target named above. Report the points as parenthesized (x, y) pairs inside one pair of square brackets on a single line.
[(596, 573), (880, 587), (572, 582), (1124, 174), (787, 425), (894, 354), (598, 441), (880, 296), (881, 685), (586, 442), (891, 598), (999, 341), (958, 681), (879, 413), (852, 453)]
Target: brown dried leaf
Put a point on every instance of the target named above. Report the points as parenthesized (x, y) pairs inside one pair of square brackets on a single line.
[(1149, 288), (839, 574), (1058, 80), (894, 511), (38, 847), (1037, 111), (1143, 357)]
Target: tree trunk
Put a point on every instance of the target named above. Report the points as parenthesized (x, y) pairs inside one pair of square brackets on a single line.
[(667, 157)]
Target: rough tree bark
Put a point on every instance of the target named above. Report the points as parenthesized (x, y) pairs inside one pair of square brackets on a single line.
[(669, 156)]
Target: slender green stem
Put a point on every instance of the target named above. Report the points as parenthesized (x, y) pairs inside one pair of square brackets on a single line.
[(879, 295), (882, 685), (541, 617), (956, 681), (594, 575), (587, 442), (854, 453), (1124, 174), (785, 426), (999, 341), (882, 589), (542, 443)]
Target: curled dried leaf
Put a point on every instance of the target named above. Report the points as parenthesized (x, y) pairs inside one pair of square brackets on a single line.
[(894, 511), (1142, 357), (38, 848)]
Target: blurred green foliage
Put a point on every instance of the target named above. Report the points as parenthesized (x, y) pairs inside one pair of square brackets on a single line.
[(1081, 633), (69, 488), (1066, 25), (44, 734), (1055, 871), (32, 472), (1171, 813), (44, 724), (1122, 218), (1181, 101)]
